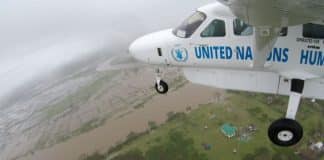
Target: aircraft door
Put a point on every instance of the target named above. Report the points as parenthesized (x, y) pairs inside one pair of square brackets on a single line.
[(182, 53), (241, 42), (210, 43)]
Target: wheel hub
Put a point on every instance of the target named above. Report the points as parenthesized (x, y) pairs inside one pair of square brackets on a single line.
[(285, 136), (160, 88)]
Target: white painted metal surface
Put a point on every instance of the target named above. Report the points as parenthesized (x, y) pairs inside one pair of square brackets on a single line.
[(260, 62)]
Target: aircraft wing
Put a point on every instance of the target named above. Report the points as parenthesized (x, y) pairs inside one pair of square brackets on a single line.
[(269, 16), (277, 13)]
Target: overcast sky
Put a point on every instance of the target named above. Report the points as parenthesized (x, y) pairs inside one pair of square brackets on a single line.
[(37, 36)]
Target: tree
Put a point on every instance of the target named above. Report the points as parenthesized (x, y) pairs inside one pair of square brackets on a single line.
[(152, 125), (177, 147), (248, 157)]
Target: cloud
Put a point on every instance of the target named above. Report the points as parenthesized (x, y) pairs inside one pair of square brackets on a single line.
[(39, 36)]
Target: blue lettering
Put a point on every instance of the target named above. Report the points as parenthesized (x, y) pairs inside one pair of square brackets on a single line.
[(303, 57), (249, 53), (320, 61), (229, 53), (285, 55), (198, 52), (244, 53), (222, 53), (312, 57), (269, 56), (216, 51), (277, 54), (211, 52), (239, 53), (205, 52)]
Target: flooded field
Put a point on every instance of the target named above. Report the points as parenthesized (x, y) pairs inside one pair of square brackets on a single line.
[(92, 109)]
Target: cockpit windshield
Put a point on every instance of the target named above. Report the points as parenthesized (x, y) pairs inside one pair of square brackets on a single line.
[(190, 25)]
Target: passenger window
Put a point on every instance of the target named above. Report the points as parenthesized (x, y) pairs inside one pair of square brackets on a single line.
[(283, 32), (215, 29), (241, 28), (311, 30)]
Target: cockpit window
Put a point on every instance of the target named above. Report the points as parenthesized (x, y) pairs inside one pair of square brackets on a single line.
[(190, 25), (215, 29), (241, 28)]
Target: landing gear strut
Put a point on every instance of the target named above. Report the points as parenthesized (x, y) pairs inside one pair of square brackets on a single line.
[(287, 131), (160, 85)]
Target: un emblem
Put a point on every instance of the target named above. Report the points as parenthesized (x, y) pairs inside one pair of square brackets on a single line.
[(180, 54)]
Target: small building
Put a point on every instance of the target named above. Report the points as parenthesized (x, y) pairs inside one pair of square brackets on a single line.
[(228, 130)]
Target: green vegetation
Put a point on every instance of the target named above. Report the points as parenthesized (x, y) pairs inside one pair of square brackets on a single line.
[(152, 125), (176, 147), (202, 138)]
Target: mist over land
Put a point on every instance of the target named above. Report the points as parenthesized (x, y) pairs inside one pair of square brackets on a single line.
[(51, 49), (39, 37)]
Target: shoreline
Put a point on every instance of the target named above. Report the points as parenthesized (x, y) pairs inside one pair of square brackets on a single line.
[(116, 129)]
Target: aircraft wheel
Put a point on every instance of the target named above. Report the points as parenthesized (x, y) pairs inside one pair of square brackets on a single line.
[(162, 88), (285, 132)]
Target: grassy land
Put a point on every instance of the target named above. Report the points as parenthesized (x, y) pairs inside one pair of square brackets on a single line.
[(202, 126)]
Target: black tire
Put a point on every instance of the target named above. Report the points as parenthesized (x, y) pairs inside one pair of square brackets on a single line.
[(285, 132), (162, 88)]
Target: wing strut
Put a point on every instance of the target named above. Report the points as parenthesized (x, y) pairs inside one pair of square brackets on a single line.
[(264, 40)]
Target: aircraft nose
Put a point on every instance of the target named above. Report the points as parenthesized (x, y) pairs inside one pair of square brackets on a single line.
[(140, 49), (148, 48)]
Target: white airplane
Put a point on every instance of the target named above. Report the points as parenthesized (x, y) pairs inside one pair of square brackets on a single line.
[(263, 46)]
